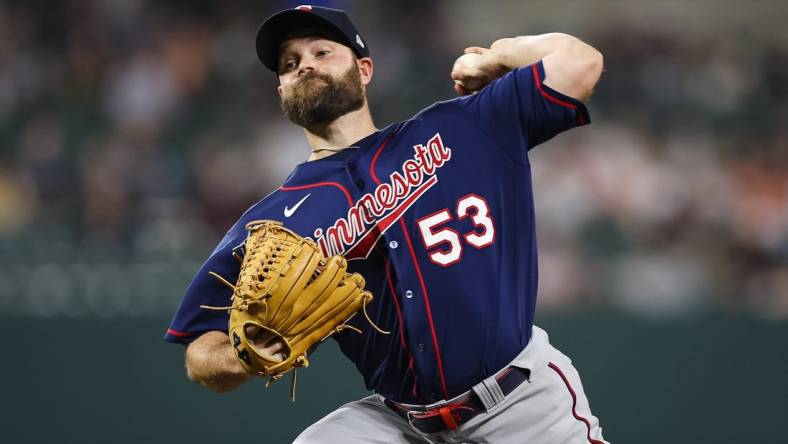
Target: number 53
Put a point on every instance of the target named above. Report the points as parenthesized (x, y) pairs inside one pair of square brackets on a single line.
[(482, 235)]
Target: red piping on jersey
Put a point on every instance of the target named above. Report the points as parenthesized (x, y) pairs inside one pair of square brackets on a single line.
[(181, 334), (418, 271), (574, 403), (427, 305), (401, 326), (547, 96), (321, 184), (377, 154)]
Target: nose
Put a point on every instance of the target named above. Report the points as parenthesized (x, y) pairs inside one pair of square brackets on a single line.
[(305, 66)]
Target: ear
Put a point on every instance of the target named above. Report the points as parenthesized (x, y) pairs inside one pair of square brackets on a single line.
[(279, 89), (365, 68)]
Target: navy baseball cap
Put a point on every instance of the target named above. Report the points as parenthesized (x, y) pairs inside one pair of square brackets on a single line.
[(276, 28)]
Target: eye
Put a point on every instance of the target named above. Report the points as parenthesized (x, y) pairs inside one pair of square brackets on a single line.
[(323, 52), (289, 64)]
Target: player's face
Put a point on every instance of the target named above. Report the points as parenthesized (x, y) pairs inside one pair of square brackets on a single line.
[(320, 80)]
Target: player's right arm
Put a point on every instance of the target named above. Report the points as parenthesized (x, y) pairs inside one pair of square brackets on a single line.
[(522, 91), (572, 67)]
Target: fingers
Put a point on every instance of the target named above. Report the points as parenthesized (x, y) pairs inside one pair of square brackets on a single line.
[(461, 90), (475, 50), (468, 71), (265, 343)]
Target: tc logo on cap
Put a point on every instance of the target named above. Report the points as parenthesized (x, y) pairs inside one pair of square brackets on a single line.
[(358, 40), (304, 7)]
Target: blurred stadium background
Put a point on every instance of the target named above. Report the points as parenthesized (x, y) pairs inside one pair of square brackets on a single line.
[(134, 132)]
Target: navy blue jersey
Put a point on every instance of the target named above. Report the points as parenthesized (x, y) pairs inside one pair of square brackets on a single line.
[(437, 214)]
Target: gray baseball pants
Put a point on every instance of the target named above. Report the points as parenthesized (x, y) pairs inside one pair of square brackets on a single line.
[(549, 408)]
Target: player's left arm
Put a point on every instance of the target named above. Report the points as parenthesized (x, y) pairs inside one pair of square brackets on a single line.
[(571, 66)]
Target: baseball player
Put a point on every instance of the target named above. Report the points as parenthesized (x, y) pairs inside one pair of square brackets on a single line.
[(437, 214)]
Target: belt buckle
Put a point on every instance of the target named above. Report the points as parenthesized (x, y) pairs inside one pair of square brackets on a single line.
[(449, 415), (410, 416)]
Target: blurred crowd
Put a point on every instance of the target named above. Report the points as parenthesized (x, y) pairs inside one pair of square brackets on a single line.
[(134, 132)]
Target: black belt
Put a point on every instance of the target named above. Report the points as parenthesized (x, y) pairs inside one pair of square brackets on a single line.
[(451, 416)]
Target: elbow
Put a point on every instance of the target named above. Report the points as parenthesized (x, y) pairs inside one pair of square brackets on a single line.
[(596, 64), (589, 69), (198, 370), (204, 365), (213, 384), (195, 376), (574, 70)]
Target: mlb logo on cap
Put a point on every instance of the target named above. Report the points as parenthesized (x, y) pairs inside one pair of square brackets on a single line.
[(274, 30)]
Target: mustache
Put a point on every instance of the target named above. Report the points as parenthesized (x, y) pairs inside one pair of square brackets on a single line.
[(312, 75)]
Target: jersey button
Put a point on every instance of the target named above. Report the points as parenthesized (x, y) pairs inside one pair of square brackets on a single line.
[(360, 183), (393, 245), (408, 294)]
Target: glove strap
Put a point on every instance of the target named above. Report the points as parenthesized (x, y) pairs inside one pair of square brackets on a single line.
[(378, 329)]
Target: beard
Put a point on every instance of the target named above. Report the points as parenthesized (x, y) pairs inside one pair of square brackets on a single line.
[(317, 99)]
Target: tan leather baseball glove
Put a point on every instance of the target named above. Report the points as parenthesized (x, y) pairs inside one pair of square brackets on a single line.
[(287, 290)]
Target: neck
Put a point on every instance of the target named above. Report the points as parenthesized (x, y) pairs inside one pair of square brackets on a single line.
[(340, 133)]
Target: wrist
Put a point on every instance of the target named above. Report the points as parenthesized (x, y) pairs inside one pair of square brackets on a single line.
[(505, 51), (232, 365)]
